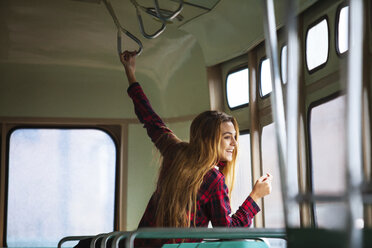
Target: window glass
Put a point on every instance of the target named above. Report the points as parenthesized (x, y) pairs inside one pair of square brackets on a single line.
[(317, 45), (343, 30), (61, 183), (284, 64), (327, 135), (243, 173), (237, 88), (273, 203), (331, 215), (265, 76)]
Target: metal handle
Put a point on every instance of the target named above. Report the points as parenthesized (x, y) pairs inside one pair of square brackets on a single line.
[(121, 29), (168, 17), (142, 28)]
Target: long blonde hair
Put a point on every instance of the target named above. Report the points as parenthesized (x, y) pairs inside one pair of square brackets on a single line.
[(179, 182)]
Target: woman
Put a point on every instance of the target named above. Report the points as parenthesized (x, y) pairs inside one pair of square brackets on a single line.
[(195, 176)]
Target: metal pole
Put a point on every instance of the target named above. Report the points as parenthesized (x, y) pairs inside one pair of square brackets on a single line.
[(277, 104), (354, 122), (292, 111)]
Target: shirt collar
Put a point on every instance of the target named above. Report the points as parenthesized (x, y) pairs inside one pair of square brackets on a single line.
[(221, 165)]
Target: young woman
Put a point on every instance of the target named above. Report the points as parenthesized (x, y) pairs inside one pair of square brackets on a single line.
[(196, 177)]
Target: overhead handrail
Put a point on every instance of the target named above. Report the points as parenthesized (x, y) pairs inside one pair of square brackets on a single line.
[(121, 29), (354, 98), (170, 16), (142, 28)]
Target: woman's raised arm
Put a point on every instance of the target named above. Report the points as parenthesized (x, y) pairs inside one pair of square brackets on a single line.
[(160, 134)]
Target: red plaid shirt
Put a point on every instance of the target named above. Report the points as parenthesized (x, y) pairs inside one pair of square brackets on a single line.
[(212, 202)]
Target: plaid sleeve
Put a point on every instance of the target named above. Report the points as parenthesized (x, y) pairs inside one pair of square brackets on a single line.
[(220, 207), (146, 115)]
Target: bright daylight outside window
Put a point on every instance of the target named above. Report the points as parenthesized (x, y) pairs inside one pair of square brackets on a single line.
[(61, 183), (327, 130), (237, 88), (317, 45), (243, 180), (273, 204), (343, 30), (265, 76), (284, 64)]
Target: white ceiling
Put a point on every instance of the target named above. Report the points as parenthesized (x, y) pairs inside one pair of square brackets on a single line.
[(81, 32)]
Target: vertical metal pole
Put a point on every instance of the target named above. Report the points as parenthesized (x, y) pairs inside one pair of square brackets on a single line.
[(277, 105), (292, 111), (255, 130), (354, 122)]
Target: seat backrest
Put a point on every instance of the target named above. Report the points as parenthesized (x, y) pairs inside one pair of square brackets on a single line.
[(221, 244)]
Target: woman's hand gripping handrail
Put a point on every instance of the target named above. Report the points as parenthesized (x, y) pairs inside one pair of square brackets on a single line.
[(121, 29), (170, 16), (142, 28)]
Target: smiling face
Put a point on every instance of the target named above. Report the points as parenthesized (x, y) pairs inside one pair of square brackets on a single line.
[(228, 141)]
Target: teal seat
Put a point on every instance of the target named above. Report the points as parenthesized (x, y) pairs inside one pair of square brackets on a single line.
[(221, 244)]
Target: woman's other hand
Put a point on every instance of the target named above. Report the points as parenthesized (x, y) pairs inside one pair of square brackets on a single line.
[(128, 59), (262, 187)]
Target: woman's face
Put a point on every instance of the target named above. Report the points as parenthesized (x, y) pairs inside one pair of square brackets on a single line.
[(228, 141)]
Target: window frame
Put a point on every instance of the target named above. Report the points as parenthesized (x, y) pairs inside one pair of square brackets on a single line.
[(107, 130), (310, 26), (231, 71)]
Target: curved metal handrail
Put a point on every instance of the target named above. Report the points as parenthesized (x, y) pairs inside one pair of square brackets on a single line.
[(142, 28), (72, 238), (199, 233), (95, 239), (119, 237), (121, 29), (168, 17), (109, 236)]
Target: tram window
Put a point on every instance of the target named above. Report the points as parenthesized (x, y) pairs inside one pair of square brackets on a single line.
[(317, 45), (327, 134), (343, 30), (265, 77), (273, 203), (243, 179), (237, 88), (284, 64), (61, 183)]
